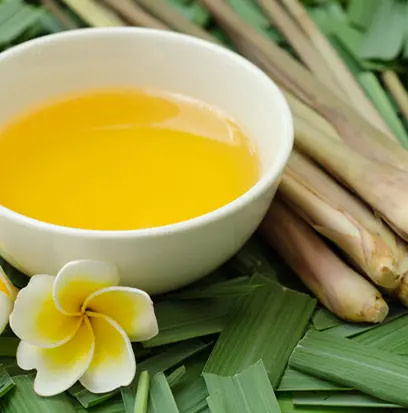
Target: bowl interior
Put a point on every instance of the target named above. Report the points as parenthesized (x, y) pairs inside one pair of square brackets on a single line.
[(97, 58)]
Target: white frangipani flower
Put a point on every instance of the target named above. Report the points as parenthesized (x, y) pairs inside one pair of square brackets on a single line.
[(79, 326)]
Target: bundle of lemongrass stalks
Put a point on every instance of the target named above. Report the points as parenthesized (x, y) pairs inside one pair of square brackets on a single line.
[(339, 219)]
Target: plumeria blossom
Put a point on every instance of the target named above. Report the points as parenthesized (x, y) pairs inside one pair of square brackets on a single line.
[(79, 325), (7, 296)]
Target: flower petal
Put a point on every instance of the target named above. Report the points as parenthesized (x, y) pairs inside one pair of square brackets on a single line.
[(60, 367), (6, 286), (6, 307), (37, 320), (131, 308), (78, 279), (113, 364)]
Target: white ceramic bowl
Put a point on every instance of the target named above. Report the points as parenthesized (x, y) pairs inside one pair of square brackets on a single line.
[(163, 258)]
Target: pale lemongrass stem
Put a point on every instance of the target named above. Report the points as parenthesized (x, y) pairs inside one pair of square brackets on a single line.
[(300, 110), (300, 43), (397, 90), (380, 185), (311, 172), (165, 12), (342, 218), (135, 14), (55, 9), (342, 290), (355, 130), (340, 71), (95, 13)]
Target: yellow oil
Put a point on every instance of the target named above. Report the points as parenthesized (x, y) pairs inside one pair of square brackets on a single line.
[(122, 159)]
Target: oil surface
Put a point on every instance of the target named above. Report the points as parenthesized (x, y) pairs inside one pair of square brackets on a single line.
[(123, 159)]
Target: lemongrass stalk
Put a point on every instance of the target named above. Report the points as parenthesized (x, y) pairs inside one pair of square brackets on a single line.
[(338, 287), (135, 14), (95, 13), (300, 110), (165, 12), (380, 185), (397, 90), (354, 129), (300, 43), (343, 219), (343, 77), (401, 292), (55, 9)]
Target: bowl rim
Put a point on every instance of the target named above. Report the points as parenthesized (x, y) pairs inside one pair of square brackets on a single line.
[(262, 184)]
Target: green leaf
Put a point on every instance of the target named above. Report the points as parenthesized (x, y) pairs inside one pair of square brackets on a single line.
[(191, 397), (265, 325), (6, 382), (361, 12), (286, 404), (18, 22), (386, 35), (172, 356), (234, 287), (88, 399), (111, 406), (294, 380), (382, 102), (247, 392), (390, 337), (160, 397), (8, 8), (194, 11), (10, 364), (253, 258), (372, 371), (175, 376), (22, 399), (182, 320), (324, 319), (351, 39), (344, 399), (142, 394)]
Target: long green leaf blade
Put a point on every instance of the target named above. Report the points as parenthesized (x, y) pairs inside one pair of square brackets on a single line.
[(174, 355), (390, 337), (294, 380), (182, 320), (381, 101), (247, 392), (142, 394), (372, 371), (22, 399), (160, 397), (6, 382), (287, 406), (88, 399), (344, 399), (266, 325), (234, 287), (387, 31), (191, 398), (175, 376), (324, 319)]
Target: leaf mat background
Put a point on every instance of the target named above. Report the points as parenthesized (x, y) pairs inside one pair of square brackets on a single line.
[(230, 343)]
